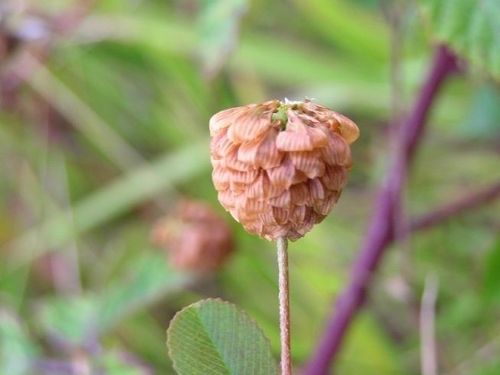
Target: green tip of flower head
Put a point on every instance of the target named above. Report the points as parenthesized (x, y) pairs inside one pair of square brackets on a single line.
[(280, 115), (280, 112)]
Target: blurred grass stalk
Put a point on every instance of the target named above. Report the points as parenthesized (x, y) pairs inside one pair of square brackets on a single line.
[(77, 112), (135, 187)]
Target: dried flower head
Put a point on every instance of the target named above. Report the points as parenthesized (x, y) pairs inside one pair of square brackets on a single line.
[(196, 238), (279, 168)]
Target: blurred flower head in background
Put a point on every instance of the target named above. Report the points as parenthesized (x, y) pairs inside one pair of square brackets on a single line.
[(195, 237)]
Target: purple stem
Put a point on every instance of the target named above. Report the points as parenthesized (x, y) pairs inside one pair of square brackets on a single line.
[(381, 230), (465, 203)]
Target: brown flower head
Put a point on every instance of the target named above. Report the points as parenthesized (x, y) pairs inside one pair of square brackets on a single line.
[(279, 168), (196, 238)]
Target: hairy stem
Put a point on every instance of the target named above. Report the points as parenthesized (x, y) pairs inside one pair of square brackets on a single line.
[(284, 305), (381, 230)]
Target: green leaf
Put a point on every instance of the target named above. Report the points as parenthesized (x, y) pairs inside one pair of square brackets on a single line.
[(118, 362), (148, 279), (482, 122), (470, 27), (79, 319), (218, 30), (16, 349), (356, 30), (73, 320), (491, 286), (214, 337)]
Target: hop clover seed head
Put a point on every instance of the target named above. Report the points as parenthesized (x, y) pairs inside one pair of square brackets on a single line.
[(195, 237), (279, 168)]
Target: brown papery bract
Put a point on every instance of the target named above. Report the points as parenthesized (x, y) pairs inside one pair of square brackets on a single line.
[(279, 168)]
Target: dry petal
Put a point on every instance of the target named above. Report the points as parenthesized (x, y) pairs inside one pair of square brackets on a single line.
[(310, 163), (318, 136), (261, 152), (347, 128), (226, 198), (262, 187), (299, 177), (325, 206), (295, 137), (220, 145), (280, 215), (337, 122), (250, 206), (316, 190), (249, 127), (337, 152), (335, 177), (233, 162), (274, 231), (282, 176), (237, 187), (307, 225), (300, 195), (283, 200), (298, 214), (221, 178), (223, 119), (292, 141), (244, 177)]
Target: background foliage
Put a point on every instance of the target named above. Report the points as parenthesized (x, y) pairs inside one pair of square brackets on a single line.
[(103, 127)]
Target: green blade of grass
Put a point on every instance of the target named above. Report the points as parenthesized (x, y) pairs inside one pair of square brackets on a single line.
[(138, 186)]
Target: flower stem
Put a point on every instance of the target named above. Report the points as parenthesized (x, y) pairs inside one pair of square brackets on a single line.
[(284, 308)]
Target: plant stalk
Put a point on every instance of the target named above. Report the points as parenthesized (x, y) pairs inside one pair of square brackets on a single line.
[(284, 305), (381, 230)]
